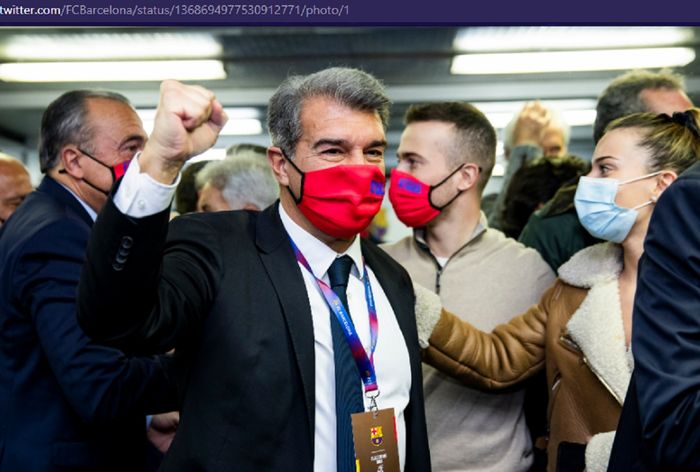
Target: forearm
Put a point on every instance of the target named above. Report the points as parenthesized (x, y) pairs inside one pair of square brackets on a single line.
[(119, 280), (512, 352)]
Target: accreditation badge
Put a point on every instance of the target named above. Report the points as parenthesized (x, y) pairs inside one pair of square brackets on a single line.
[(376, 443)]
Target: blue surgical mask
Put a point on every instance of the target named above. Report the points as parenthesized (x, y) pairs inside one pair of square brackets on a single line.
[(598, 212)]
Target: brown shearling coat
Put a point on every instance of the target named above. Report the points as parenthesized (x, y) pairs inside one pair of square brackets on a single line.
[(585, 392)]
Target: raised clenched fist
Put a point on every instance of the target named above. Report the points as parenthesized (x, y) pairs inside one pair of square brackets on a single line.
[(188, 122)]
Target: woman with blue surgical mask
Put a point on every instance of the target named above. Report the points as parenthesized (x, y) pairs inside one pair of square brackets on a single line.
[(580, 331)]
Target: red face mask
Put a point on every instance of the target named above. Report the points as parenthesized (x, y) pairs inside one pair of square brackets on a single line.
[(411, 198), (341, 200)]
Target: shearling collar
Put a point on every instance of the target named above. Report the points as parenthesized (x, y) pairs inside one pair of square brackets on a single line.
[(592, 265), (596, 326)]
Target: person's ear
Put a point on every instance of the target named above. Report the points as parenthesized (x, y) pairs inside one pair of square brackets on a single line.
[(70, 161), (278, 163), (663, 180), (468, 177)]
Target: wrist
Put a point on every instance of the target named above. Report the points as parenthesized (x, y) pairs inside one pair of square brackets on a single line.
[(160, 169)]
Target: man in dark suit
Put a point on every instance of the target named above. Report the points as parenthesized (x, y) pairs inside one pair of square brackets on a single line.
[(659, 429), (67, 403), (263, 361)]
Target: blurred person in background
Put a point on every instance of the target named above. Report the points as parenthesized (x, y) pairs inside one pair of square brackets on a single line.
[(249, 149), (534, 132), (242, 182), (15, 185), (534, 185), (186, 192)]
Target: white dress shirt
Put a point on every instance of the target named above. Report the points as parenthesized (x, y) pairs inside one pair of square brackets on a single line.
[(139, 195)]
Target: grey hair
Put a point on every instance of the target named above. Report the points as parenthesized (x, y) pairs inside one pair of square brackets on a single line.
[(236, 149), (353, 88), (64, 122), (245, 178), (556, 117), (623, 95)]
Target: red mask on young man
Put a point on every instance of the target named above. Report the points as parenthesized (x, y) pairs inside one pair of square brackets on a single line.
[(411, 198), (341, 200)]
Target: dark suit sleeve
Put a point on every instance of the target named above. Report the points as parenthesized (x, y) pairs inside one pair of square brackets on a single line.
[(138, 292), (666, 330), (99, 382)]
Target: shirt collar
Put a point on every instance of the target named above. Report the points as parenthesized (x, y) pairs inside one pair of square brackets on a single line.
[(90, 211), (481, 226), (318, 255)]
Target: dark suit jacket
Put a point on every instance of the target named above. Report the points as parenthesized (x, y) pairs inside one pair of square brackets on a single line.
[(66, 403), (659, 428), (227, 292)]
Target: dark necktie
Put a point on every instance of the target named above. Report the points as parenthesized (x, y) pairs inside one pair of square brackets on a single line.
[(348, 392)]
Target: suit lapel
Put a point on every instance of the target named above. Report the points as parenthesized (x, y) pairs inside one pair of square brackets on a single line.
[(52, 188), (281, 266)]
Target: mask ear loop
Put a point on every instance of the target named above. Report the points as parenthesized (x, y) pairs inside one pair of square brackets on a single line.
[(63, 171), (636, 179), (650, 202), (652, 199), (110, 168), (303, 177), (433, 187)]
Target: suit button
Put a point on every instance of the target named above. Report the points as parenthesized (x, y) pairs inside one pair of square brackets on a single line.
[(120, 259), (127, 242), (117, 267), (123, 252)]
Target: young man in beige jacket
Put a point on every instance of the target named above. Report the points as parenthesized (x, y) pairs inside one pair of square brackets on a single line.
[(446, 155)]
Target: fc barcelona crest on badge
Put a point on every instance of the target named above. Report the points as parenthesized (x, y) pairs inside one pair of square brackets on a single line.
[(376, 435)]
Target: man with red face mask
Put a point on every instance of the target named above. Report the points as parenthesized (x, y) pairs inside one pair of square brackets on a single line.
[(293, 336), (446, 155)]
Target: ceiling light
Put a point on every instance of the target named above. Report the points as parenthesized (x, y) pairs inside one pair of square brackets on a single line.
[(575, 112), (571, 117), (111, 46), (513, 106), (492, 39), (121, 71), (570, 61), (242, 126), (579, 117), (239, 123)]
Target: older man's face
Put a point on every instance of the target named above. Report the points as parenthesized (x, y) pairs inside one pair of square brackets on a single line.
[(117, 135), (552, 142), (334, 134), (14, 187), (211, 199)]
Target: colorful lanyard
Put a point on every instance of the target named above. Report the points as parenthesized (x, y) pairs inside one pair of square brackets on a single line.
[(365, 364)]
